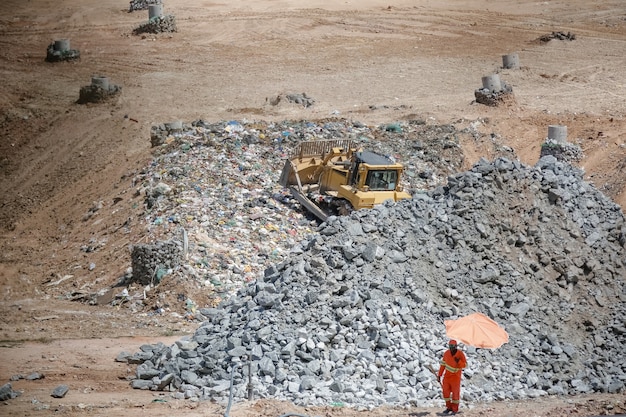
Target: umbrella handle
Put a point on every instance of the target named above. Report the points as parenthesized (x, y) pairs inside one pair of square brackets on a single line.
[(434, 372)]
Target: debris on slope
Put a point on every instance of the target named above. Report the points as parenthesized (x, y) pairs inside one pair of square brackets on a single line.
[(157, 24), (355, 313)]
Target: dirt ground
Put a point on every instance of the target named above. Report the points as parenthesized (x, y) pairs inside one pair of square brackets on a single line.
[(369, 60)]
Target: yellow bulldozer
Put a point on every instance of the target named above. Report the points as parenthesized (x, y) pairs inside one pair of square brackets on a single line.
[(335, 177)]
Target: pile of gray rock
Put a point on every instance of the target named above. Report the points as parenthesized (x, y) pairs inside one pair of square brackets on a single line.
[(563, 151), (150, 262), (494, 98), (158, 24), (355, 314)]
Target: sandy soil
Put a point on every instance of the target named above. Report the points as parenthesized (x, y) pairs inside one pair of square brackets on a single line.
[(369, 60)]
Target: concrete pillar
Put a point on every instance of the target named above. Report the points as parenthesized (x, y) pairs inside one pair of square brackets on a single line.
[(62, 45), (557, 133), (492, 83), (510, 61), (100, 81), (155, 10)]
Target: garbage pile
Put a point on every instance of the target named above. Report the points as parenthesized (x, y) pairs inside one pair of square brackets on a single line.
[(218, 183), (157, 24), (354, 314)]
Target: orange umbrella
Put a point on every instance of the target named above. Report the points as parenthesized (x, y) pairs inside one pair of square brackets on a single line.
[(477, 330)]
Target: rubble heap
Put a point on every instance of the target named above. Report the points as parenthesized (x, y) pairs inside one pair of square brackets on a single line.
[(563, 151), (355, 313), (158, 24)]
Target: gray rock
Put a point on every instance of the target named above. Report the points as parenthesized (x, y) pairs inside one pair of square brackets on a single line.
[(141, 384), (60, 391), (7, 393), (123, 357), (147, 370)]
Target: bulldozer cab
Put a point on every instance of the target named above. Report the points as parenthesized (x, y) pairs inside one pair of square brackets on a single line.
[(381, 180), (373, 172)]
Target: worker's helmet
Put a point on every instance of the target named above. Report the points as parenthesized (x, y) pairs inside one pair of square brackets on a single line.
[(452, 343)]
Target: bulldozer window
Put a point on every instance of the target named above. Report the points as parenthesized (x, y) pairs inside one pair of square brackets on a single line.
[(382, 180)]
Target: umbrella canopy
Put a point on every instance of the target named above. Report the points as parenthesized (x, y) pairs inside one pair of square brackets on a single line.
[(477, 330)]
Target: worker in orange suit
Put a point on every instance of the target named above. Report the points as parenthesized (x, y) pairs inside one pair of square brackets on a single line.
[(451, 369)]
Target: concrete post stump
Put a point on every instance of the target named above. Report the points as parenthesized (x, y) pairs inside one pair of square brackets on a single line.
[(100, 81), (557, 145), (492, 83), (62, 45), (510, 61), (557, 133), (59, 50), (98, 91), (155, 10)]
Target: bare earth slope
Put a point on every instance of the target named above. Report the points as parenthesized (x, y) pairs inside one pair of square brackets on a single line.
[(371, 61)]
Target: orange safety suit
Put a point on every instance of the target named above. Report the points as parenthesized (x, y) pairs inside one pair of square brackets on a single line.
[(452, 369)]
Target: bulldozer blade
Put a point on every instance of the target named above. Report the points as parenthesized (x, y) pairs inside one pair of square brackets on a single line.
[(308, 204)]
